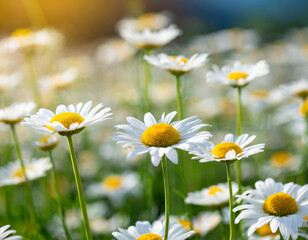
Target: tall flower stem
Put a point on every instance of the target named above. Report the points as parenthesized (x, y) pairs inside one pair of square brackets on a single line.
[(81, 197), (57, 192), (27, 182), (179, 97), (147, 82), (32, 77), (239, 132), (229, 179), (166, 189)]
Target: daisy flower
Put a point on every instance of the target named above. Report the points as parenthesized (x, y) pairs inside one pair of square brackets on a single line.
[(12, 173), (229, 150), (161, 137), (115, 186), (214, 196), (297, 89), (48, 142), (177, 65), (153, 21), (67, 120), (283, 206), (4, 233), (238, 75), (148, 39), (114, 51), (16, 112), (145, 231)]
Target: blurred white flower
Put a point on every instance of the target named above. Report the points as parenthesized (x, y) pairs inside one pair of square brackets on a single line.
[(177, 65), (8, 81), (213, 196), (48, 142), (298, 88), (12, 173), (4, 233), (237, 75), (16, 112)]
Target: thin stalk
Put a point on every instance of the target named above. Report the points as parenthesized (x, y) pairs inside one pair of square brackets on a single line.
[(239, 132), (147, 82), (229, 179), (166, 189), (301, 176), (179, 97), (27, 182), (57, 192), (81, 197)]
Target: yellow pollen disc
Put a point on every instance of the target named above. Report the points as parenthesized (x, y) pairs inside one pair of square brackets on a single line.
[(303, 93), (66, 119), (281, 159), (149, 236), (214, 190), (303, 108), (44, 139), (280, 204), (147, 21), (185, 223), (113, 182), (182, 60), (259, 93), (265, 230), (220, 150), (237, 75), (306, 218), (21, 32), (18, 173), (160, 135)]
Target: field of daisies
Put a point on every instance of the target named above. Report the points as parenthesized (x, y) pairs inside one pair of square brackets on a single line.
[(154, 135)]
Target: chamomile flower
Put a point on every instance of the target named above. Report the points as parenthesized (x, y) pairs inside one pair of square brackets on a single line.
[(147, 231), (153, 21), (297, 89), (48, 142), (12, 173), (177, 65), (161, 137), (67, 120), (229, 150), (5, 233), (213, 196), (115, 187), (114, 51), (16, 112), (148, 39), (283, 206), (238, 75)]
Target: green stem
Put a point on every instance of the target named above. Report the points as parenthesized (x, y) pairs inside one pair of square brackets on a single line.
[(230, 200), (178, 97), (32, 77), (166, 189), (57, 192), (239, 132), (27, 182), (81, 197), (147, 81)]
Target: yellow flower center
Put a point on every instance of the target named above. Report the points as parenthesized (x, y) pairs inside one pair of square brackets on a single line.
[(220, 150), (147, 21), (185, 223), (67, 118), (44, 139), (179, 61), (214, 190), (149, 236), (303, 108), (280, 204), (160, 135), (18, 172), (306, 218), (21, 32), (260, 93), (302, 93), (281, 159), (113, 182), (265, 230), (237, 75)]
